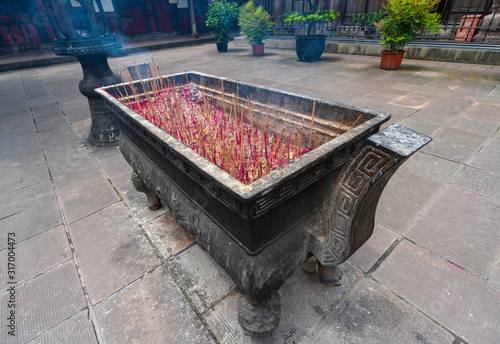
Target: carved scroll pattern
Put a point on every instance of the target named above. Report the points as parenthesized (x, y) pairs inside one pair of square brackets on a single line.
[(353, 183)]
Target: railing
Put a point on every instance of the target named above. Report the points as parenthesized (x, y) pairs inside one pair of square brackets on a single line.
[(470, 21)]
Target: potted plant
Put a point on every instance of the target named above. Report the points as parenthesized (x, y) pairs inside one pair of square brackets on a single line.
[(310, 47), (405, 18), (366, 22), (221, 17), (255, 24)]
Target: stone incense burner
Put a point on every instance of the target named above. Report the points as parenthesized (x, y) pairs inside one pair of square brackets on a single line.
[(319, 205)]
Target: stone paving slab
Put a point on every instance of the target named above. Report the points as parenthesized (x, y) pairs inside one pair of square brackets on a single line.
[(24, 179), (13, 141), (77, 199), (44, 302), (452, 229), (395, 209), (110, 159), (35, 195), (484, 112), (375, 315), (42, 100), (371, 251), (200, 277), (20, 150), (167, 236), (432, 166), (57, 120), (18, 165), (70, 158), (76, 330), (453, 104), (36, 255), (31, 221), (44, 110), (111, 251), (151, 310), (479, 181), (488, 158), (305, 302), (420, 127), (454, 144), (462, 303)]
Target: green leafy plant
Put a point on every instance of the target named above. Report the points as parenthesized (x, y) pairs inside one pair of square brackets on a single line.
[(310, 19), (405, 18), (221, 17), (367, 20), (254, 22)]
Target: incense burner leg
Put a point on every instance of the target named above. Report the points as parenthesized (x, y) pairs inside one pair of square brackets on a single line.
[(330, 274), (153, 201), (310, 265), (260, 319), (355, 195)]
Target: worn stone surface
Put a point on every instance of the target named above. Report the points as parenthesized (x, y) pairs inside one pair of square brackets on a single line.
[(432, 166), (136, 201), (348, 78), (24, 178), (31, 221), (167, 236), (44, 302), (31, 196), (151, 310), (111, 250), (488, 158), (77, 199), (36, 255), (450, 228), (454, 144), (305, 302), (395, 209), (19, 165), (415, 100), (451, 296), (484, 112), (111, 160), (76, 330), (20, 150), (420, 127), (18, 140), (49, 122), (478, 181), (46, 109), (375, 315), (200, 277), (72, 158), (371, 251), (453, 104)]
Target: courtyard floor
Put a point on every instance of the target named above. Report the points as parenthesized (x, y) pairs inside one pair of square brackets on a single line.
[(94, 265)]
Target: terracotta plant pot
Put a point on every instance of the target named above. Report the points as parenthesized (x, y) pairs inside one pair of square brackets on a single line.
[(310, 48), (391, 60), (258, 49), (221, 47)]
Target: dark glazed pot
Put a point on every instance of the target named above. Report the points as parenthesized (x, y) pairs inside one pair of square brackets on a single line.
[(221, 47), (310, 48), (391, 60), (258, 49)]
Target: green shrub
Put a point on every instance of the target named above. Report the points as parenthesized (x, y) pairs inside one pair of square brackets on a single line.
[(405, 18), (221, 17), (255, 23), (367, 20), (311, 19)]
